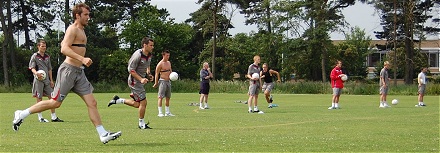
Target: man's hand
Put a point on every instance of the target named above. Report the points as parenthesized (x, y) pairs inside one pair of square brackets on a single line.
[(155, 85), (278, 81), (87, 61), (144, 80)]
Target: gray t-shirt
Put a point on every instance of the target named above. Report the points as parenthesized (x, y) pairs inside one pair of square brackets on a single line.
[(384, 75), (253, 69), (138, 63), (40, 62), (203, 74)]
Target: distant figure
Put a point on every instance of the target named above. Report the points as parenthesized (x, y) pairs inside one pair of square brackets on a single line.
[(384, 83), (254, 84), (42, 87), (205, 75), (71, 76), (337, 84), (421, 79), (162, 78), (267, 78), (138, 65)]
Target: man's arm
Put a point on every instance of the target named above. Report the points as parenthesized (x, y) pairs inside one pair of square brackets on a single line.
[(156, 75), (276, 73)]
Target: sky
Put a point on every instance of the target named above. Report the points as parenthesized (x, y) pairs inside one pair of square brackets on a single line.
[(360, 15)]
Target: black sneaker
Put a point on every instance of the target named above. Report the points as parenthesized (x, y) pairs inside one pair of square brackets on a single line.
[(145, 126), (113, 101), (57, 120)]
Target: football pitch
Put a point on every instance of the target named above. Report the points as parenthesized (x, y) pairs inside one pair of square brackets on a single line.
[(300, 123)]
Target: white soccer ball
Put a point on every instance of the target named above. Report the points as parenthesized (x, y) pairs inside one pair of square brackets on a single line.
[(174, 76), (256, 76), (43, 73), (344, 77), (394, 102)]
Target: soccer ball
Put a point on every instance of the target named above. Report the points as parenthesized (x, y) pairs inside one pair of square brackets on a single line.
[(394, 102), (256, 75), (174, 76), (344, 77), (43, 73)]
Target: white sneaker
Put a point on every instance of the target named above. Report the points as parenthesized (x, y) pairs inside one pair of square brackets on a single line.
[(17, 121), (110, 136), (206, 107), (169, 114), (331, 107), (386, 105), (201, 107), (160, 115), (43, 120)]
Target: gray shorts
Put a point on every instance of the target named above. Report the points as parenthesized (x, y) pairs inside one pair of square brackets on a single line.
[(337, 91), (254, 88), (383, 91), (41, 88), (422, 89), (70, 78), (137, 91), (164, 89), (268, 86)]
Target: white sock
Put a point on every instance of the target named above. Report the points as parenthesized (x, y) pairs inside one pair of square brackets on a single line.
[(336, 104), (201, 104), (250, 108), (167, 109), (54, 116), (40, 115), (141, 122), (120, 101), (420, 103), (160, 109), (206, 104), (101, 131), (25, 113), (333, 104), (381, 103)]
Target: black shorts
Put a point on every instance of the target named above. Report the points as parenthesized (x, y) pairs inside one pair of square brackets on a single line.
[(204, 88)]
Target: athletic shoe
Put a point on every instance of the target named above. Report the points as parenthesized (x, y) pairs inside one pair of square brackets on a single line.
[(160, 115), (420, 105), (169, 114), (337, 107), (386, 105), (250, 111), (43, 120), (145, 126), (201, 107), (256, 110), (110, 136), (113, 101), (57, 120), (271, 98), (270, 106), (17, 121), (206, 107), (331, 107)]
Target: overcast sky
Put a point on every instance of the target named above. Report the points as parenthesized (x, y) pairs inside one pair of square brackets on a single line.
[(361, 15), (358, 15)]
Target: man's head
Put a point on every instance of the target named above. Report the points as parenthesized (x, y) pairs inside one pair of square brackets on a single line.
[(147, 44), (205, 65), (338, 63), (81, 12), (257, 59), (166, 55), (386, 64), (41, 45), (424, 69), (265, 67)]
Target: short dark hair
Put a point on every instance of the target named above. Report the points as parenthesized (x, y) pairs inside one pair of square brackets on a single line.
[(146, 40), (77, 9), (166, 51), (41, 41)]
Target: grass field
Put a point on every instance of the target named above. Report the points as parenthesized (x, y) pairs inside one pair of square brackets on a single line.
[(301, 123)]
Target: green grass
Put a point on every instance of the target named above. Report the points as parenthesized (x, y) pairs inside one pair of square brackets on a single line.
[(301, 123)]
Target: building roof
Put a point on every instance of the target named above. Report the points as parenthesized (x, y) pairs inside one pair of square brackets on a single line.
[(424, 44)]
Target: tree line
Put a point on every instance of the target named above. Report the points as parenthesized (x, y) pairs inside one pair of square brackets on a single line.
[(292, 36)]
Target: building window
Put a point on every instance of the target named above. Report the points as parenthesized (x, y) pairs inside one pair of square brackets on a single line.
[(433, 59)]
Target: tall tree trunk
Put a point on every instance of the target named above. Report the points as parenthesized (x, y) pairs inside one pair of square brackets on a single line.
[(5, 42), (24, 13), (409, 45), (9, 34), (214, 43), (67, 14)]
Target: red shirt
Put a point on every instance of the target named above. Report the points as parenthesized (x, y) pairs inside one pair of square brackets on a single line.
[(335, 78)]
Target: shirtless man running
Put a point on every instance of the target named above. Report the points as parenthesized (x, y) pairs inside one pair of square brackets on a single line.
[(71, 76)]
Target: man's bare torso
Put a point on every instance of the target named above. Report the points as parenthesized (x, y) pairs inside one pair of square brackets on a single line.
[(165, 70), (80, 38)]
